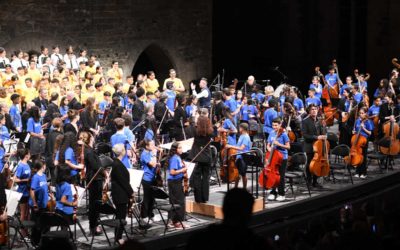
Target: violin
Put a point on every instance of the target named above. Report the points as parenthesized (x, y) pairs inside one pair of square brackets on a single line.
[(269, 176), (358, 142), (319, 165), (391, 130), (292, 136)]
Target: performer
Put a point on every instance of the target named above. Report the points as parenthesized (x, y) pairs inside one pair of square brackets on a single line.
[(388, 111), (50, 143), (38, 197), (347, 109), (120, 137), (68, 155), (180, 118), (201, 173), (317, 86), (65, 202), (3, 203), (176, 170), (312, 99), (218, 107), (229, 127), (312, 131), (269, 115), (121, 191), (148, 162), (365, 127), (205, 94), (231, 104), (282, 144), (243, 145)]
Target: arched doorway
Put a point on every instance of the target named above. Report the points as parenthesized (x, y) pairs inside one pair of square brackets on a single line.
[(153, 58)]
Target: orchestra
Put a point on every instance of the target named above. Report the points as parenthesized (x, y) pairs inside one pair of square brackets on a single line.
[(69, 122)]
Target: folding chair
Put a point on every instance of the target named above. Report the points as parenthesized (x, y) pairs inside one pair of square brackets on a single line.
[(339, 152), (15, 223), (162, 204), (47, 220), (106, 209), (254, 160), (214, 162), (299, 160)]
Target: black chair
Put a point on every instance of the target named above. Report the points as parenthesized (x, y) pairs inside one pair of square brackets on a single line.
[(107, 210), (214, 163), (298, 162), (384, 161), (254, 160), (338, 164), (47, 220), (16, 224), (162, 203)]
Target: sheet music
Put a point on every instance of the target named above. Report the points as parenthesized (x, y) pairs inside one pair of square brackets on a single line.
[(135, 177), (186, 145), (190, 167), (80, 190), (13, 198)]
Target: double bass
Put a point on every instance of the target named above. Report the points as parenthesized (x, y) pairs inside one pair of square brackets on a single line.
[(328, 93), (319, 165), (269, 176), (391, 130), (356, 156), (228, 168)]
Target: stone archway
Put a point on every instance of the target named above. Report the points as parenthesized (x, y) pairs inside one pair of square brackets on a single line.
[(156, 59)]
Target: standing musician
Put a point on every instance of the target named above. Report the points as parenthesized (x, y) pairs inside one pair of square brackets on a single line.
[(295, 121), (388, 111), (282, 144), (269, 115), (204, 96), (315, 84), (120, 138), (218, 107), (364, 125), (229, 127), (50, 143), (176, 170), (312, 131), (92, 164), (332, 78), (148, 162), (347, 111), (38, 197), (180, 118), (243, 145), (298, 103), (121, 191), (201, 173), (231, 104)]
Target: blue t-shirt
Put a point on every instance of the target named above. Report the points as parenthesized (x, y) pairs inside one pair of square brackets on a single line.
[(373, 110), (175, 163), (23, 172), (257, 96), (129, 134), (232, 105), (269, 115), (120, 138), (102, 107), (128, 107), (189, 110), (70, 156), (171, 99), (245, 140), (15, 116), (298, 104), (331, 79), (318, 92), (246, 111), (313, 100), (63, 110), (39, 185), (358, 97), (149, 135), (33, 126), (64, 189), (344, 86), (282, 139), (149, 172), (228, 125), (367, 124), (363, 85), (4, 134), (2, 153)]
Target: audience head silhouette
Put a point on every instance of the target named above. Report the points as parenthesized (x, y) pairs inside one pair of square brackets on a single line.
[(237, 207)]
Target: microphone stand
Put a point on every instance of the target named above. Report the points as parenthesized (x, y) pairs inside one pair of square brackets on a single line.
[(162, 120)]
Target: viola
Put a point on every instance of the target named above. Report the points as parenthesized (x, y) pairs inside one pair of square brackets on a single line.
[(391, 130), (51, 204), (269, 176), (185, 181), (228, 161), (82, 161), (319, 165), (356, 156)]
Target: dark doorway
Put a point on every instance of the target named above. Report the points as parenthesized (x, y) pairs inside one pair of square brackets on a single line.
[(153, 58)]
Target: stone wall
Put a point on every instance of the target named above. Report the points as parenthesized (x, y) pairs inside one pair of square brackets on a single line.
[(115, 29)]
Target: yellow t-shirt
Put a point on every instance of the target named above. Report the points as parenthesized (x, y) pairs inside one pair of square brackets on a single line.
[(151, 85), (117, 75), (29, 93), (109, 88), (177, 83), (91, 69), (85, 96), (35, 75), (125, 88), (96, 78), (99, 96)]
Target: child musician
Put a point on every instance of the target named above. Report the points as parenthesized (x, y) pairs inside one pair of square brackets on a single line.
[(281, 143), (243, 145), (65, 202), (176, 170), (365, 126)]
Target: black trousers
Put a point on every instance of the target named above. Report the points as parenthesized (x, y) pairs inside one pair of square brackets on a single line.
[(148, 199), (95, 193), (362, 169), (37, 230), (176, 197), (120, 214), (281, 186), (201, 182), (310, 177)]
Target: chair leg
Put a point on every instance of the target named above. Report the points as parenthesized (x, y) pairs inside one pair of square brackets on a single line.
[(105, 233), (307, 184), (350, 175), (291, 188), (81, 228)]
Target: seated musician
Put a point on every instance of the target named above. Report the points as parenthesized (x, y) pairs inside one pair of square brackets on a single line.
[(120, 137), (357, 95), (332, 78), (297, 102), (229, 127), (365, 126), (176, 170), (243, 145), (282, 144), (347, 85), (148, 162), (65, 201)]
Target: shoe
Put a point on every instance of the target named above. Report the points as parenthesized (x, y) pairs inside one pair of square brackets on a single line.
[(363, 176), (271, 197), (357, 175), (281, 198), (316, 185), (178, 226)]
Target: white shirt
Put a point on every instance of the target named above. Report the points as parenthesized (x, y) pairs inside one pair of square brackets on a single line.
[(55, 58), (4, 61), (71, 63), (18, 63), (41, 60), (81, 59), (203, 93)]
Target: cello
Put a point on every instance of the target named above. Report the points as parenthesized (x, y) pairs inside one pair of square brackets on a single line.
[(229, 172), (319, 165), (356, 157), (269, 176), (391, 130)]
